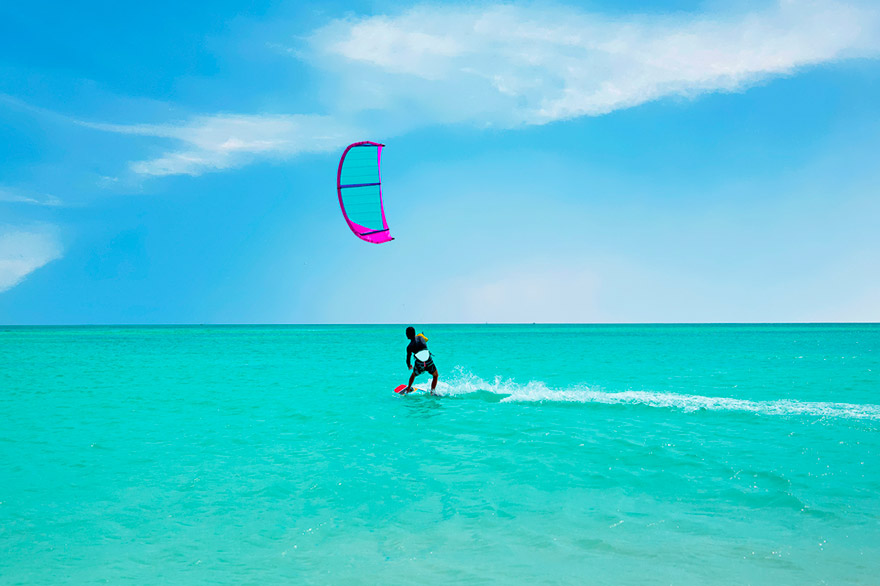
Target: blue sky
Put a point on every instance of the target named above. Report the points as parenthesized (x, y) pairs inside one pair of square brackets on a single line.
[(547, 162)]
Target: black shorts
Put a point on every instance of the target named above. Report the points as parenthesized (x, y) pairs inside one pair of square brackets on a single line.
[(419, 367)]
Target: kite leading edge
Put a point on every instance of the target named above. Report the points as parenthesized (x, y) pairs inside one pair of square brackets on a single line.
[(359, 186)]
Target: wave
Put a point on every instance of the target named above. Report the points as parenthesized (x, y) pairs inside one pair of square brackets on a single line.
[(508, 391)]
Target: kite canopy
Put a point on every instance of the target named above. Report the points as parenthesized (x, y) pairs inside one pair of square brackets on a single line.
[(360, 191)]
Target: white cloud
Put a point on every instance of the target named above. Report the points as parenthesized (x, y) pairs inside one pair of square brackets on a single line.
[(398, 44), (512, 65), (225, 141), (22, 251), (17, 196)]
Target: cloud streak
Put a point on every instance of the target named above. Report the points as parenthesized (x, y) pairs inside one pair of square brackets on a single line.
[(508, 66), (511, 65), (16, 196), (22, 251), (212, 143)]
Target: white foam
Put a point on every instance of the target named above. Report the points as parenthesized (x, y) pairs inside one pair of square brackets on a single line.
[(464, 383)]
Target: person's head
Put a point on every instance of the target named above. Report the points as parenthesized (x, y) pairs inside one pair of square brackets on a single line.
[(410, 333)]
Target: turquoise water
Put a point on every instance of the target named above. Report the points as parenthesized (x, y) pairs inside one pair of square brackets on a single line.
[(556, 454)]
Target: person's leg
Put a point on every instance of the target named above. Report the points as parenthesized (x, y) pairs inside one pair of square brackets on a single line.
[(434, 382), (412, 377)]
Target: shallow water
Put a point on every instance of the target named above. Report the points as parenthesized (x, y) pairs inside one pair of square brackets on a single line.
[(556, 454)]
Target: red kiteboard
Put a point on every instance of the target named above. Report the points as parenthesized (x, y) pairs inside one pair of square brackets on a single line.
[(401, 390)]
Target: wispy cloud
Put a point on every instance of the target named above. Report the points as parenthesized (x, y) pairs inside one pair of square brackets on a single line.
[(510, 65), (11, 195), (22, 251), (212, 143)]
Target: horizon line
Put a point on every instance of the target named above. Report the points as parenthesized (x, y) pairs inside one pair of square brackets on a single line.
[(297, 324)]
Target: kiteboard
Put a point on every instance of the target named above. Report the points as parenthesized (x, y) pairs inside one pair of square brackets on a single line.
[(401, 390)]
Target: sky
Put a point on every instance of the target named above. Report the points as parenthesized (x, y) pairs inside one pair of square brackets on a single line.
[(590, 162)]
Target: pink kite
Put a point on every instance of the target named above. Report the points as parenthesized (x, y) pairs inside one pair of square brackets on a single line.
[(359, 186)]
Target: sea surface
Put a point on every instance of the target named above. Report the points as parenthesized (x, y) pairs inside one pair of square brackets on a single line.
[(555, 454)]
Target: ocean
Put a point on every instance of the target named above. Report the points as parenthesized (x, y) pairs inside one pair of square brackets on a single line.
[(555, 454)]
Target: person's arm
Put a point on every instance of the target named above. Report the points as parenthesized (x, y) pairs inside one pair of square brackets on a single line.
[(408, 354)]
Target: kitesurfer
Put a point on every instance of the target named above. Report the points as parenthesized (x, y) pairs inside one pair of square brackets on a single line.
[(418, 343)]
